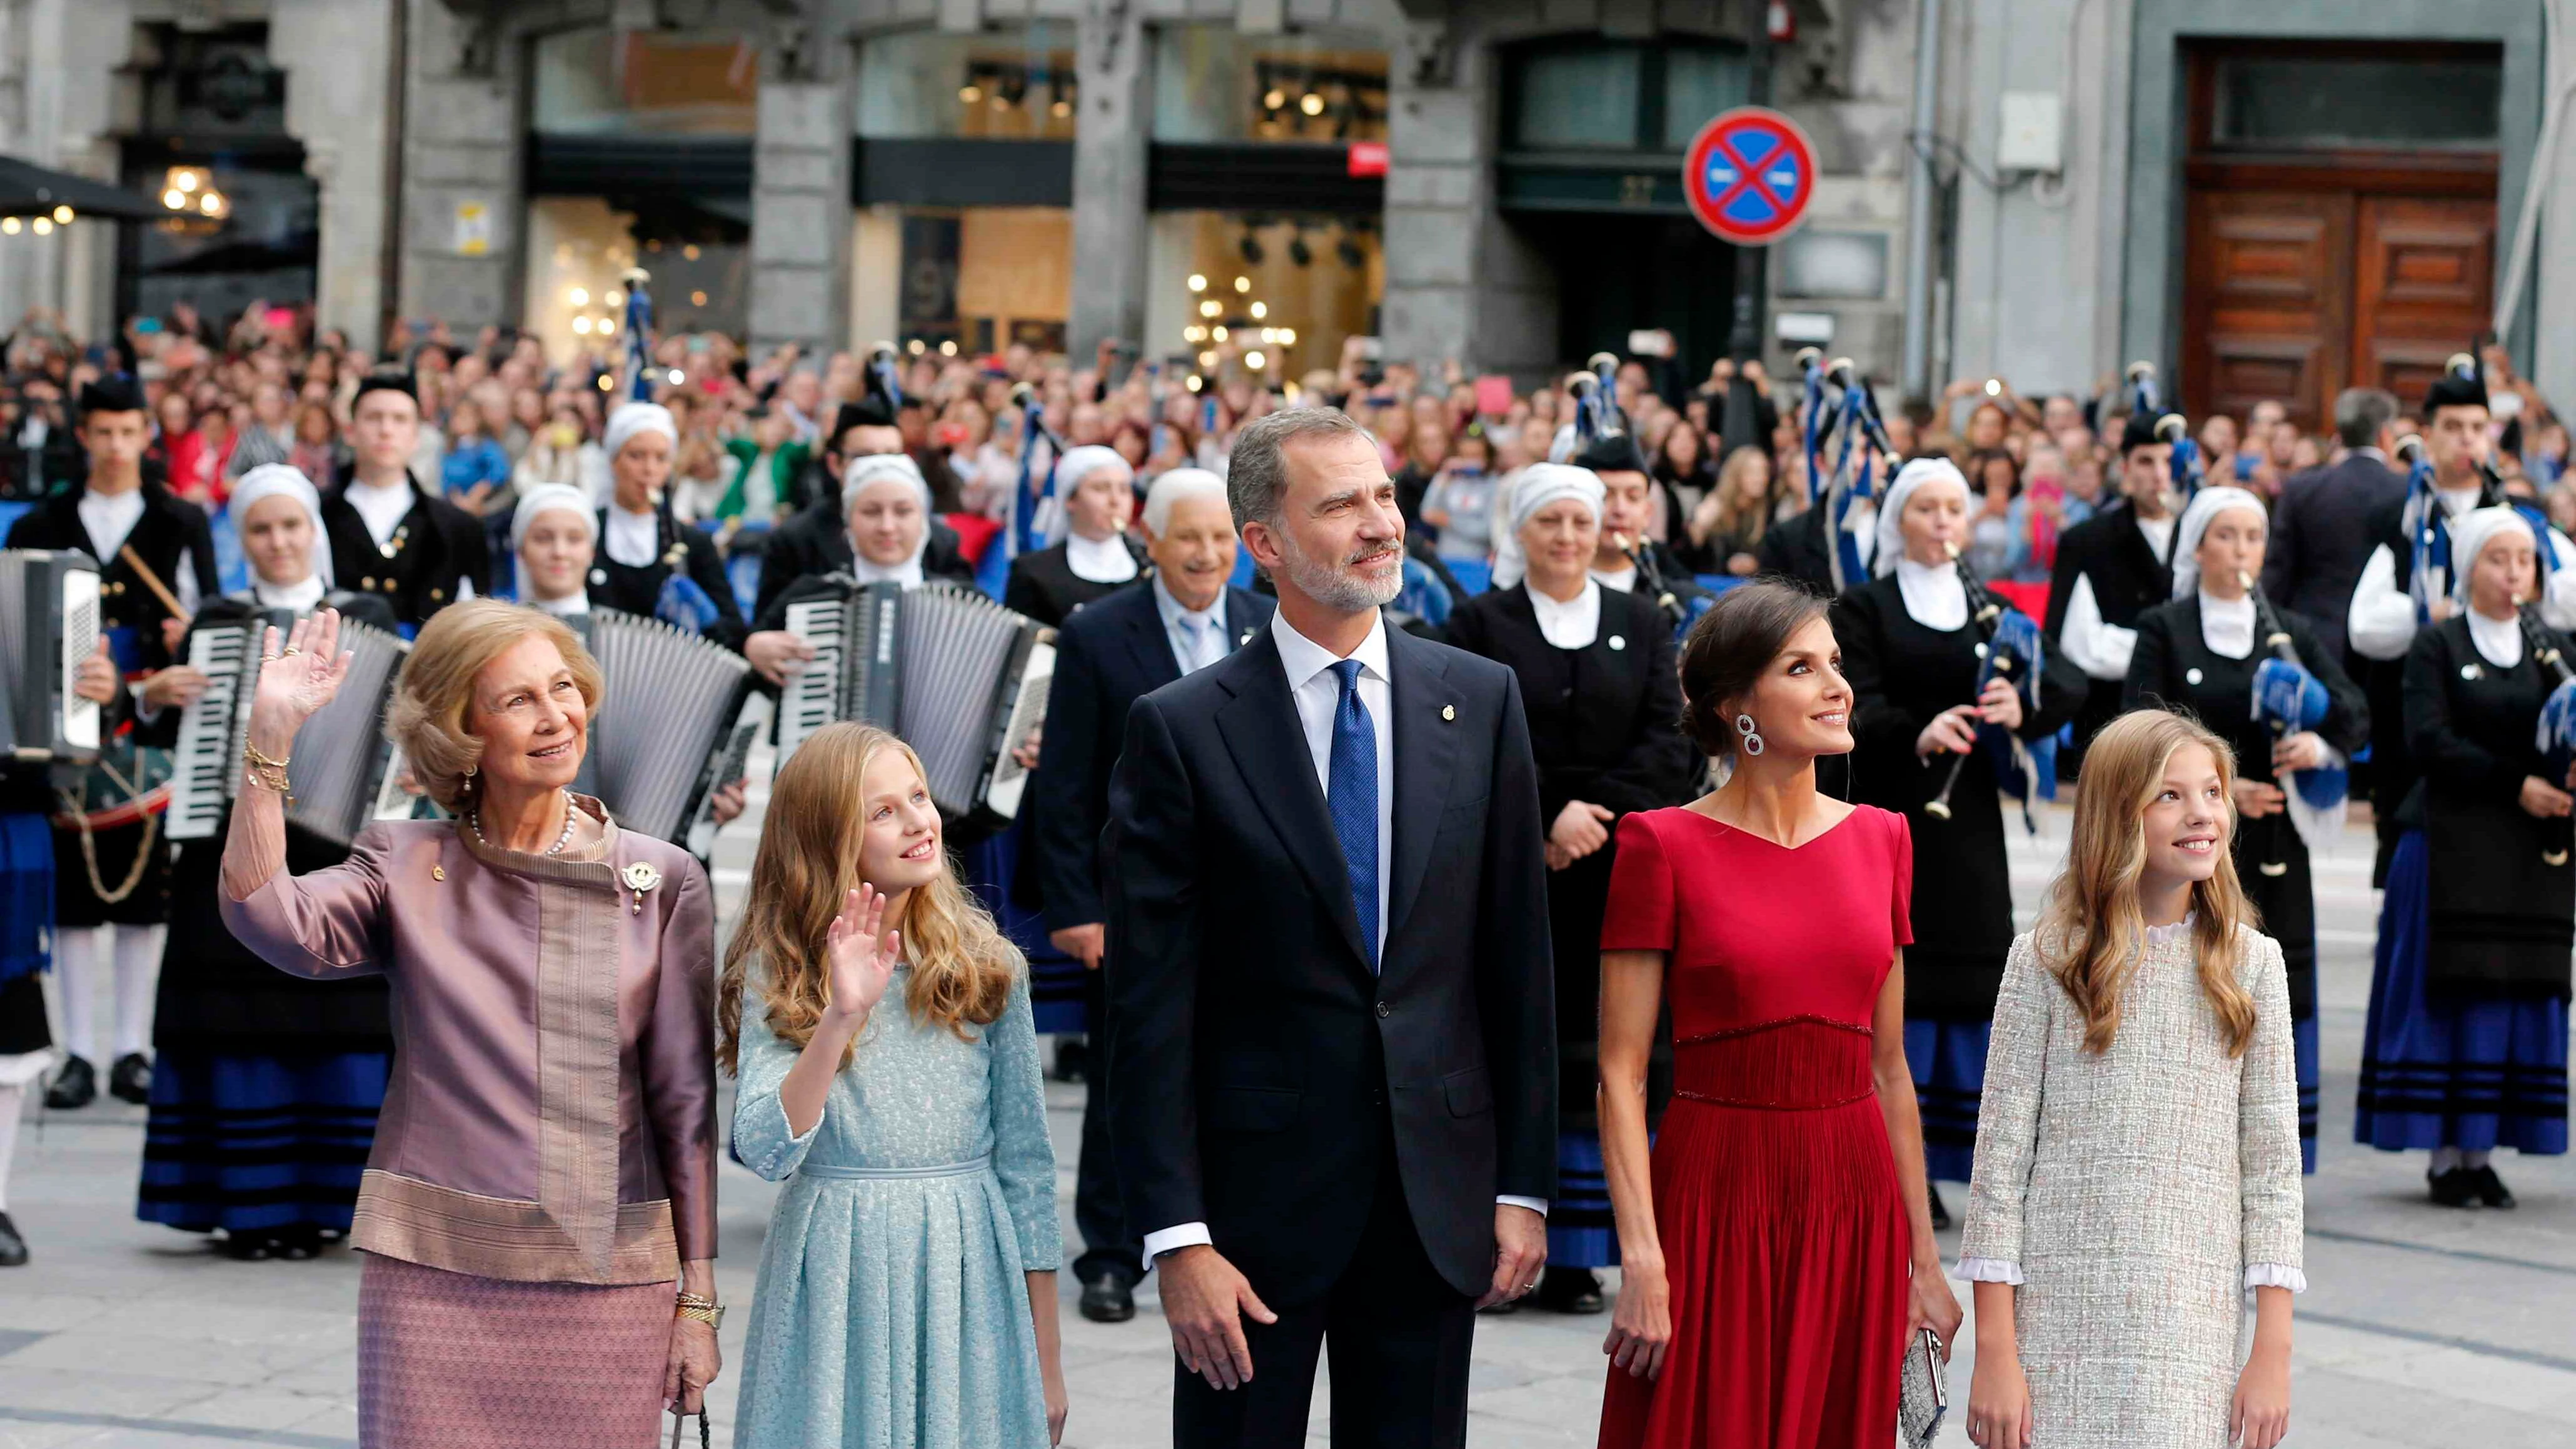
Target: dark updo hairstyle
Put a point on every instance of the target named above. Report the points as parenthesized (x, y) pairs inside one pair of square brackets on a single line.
[(1728, 650)]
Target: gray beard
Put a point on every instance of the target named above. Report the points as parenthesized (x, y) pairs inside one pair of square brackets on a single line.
[(1334, 589)]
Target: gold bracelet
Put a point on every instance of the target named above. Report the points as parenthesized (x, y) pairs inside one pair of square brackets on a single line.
[(708, 1313), (251, 752)]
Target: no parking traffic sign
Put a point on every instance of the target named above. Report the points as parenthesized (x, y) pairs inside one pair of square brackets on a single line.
[(1749, 176)]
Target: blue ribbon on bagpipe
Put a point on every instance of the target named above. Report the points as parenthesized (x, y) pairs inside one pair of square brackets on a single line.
[(2292, 701), (639, 331), (1032, 503), (2428, 534), (2188, 468), (2025, 770), (1853, 479), (2555, 736)]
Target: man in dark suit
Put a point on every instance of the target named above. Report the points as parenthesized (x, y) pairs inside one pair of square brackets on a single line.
[(2322, 530), (1332, 1016), (389, 536), (1183, 618)]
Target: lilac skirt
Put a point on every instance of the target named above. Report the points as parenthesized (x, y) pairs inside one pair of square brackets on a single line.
[(448, 1358)]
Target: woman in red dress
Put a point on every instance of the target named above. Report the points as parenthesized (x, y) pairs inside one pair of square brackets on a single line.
[(1777, 1244)]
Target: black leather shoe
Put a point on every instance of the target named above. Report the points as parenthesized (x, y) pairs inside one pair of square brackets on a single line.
[(2456, 1188), (1569, 1290), (2490, 1188), (75, 1086), (13, 1248), (1108, 1298), (130, 1080), (250, 1247), (1940, 1209)]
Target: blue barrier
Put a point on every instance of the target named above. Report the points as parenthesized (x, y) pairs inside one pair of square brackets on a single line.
[(10, 513), (1473, 575)]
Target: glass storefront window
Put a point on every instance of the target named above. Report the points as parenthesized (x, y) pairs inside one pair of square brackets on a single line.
[(580, 248), (986, 277), (261, 246), (592, 82), (1214, 84), (1700, 83), (1015, 86), (2333, 101), (1229, 286), (1596, 95)]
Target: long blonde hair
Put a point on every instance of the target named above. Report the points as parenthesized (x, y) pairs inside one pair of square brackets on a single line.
[(1732, 509), (2090, 928), (962, 966)]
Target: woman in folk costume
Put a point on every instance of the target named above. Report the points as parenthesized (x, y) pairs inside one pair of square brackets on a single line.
[(1600, 683), (1913, 653), (2206, 654), (1095, 555), (646, 563), (266, 1088), (2466, 1046)]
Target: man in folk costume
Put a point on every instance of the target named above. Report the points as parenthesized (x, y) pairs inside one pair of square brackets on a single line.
[(389, 536), (2110, 569), (111, 865)]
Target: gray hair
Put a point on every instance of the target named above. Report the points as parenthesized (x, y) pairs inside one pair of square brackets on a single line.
[(1175, 488), (2359, 414), (1256, 475)]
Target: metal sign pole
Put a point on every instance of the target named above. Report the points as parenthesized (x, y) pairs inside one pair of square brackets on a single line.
[(1745, 340)]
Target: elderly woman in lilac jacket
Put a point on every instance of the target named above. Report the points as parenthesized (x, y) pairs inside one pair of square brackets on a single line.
[(544, 1176)]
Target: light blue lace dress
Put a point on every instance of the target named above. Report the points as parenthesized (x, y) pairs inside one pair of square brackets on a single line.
[(891, 1312)]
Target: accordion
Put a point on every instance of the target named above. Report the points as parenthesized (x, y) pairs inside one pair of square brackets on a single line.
[(958, 677), (340, 758), (677, 719), (48, 624)]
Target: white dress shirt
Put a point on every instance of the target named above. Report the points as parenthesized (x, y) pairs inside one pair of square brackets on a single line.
[(1622, 579), (109, 519), (2099, 648), (629, 538), (1099, 560), (1933, 594), (2381, 620), (1318, 694), (1197, 636), (383, 507), (1569, 623)]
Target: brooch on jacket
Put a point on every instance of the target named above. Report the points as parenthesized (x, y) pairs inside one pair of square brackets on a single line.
[(641, 877)]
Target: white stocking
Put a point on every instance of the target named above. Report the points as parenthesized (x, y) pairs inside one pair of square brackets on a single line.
[(2445, 1158), (138, 960), (2474, 1158), (9, 1105), (76, 989)]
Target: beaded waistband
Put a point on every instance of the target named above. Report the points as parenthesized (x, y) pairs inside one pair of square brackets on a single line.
[(839, 1173)]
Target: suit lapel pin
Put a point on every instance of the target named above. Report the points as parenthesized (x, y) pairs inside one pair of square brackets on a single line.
[(1246, 639), (1448, 711), (2471, 671), (1618, 641), (641, 877)]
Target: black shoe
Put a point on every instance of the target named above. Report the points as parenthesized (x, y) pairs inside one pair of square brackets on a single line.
[(2490, 1188), (1108, 1298), (1073, 1060), (299, 1244), (13, 1248), (75, 1086), (250, 1247), (2456, 1188), (1940, 1209), (130, 1080), (1569, 1290)]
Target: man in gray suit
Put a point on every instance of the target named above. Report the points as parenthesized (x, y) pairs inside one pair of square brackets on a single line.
[(2321, 529)]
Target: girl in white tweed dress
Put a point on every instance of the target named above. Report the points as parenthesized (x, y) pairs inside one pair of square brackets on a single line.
[(2137, 1161)]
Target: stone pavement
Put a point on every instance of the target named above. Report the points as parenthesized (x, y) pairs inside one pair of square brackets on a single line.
[(2422, 1328)]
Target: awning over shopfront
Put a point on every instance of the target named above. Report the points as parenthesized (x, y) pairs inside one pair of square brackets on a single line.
[(29, 190)]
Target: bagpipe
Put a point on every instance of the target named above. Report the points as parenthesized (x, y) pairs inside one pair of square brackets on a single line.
[(2189, 470), (2427, 525), (1597, 415), (2555, 736), (2291, 700), (1035, 510), (2010, 648), (885, 375), (1850, 425), (682, 603)]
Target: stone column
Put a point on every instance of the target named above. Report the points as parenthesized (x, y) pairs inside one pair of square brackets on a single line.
[(339, 103), (1113, 129), (465, 131), (800, 197)]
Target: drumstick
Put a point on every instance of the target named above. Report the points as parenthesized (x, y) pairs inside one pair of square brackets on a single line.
[(152, 581)]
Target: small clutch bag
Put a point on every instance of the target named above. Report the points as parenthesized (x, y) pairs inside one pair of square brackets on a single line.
[(1923, 1393)]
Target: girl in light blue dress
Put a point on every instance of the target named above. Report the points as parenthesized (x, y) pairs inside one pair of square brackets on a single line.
[(889, 1076)]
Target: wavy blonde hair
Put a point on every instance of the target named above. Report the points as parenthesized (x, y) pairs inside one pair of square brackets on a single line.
[(435, 692), (2090, 926), (963, 968)]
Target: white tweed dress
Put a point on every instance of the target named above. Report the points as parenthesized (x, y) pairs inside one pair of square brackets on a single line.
[(2134, 1195)]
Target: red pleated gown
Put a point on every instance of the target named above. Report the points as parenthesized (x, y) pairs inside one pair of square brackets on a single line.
[(1784, 1234)]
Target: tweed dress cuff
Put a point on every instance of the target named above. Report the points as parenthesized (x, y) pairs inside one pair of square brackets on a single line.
[(2274, 1275)]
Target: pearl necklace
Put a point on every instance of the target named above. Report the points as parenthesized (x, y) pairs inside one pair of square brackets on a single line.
[(474, 822)]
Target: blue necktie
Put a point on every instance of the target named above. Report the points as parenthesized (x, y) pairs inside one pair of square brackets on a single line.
[(1352, 796)]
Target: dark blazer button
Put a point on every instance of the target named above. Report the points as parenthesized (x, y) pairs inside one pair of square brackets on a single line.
[(1384, 1010)]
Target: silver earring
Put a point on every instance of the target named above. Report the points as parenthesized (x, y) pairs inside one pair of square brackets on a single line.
[(1749, 740)]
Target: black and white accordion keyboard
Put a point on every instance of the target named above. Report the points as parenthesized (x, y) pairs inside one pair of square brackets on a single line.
[(48, 624), (678, 719), (338, 766), (960, 678)]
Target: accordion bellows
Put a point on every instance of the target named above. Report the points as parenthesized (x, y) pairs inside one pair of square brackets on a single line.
[(672, 725), (960, 678), (49, 623), (340, 757)]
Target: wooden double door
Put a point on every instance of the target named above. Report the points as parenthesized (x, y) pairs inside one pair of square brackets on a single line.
[(2296, 287)]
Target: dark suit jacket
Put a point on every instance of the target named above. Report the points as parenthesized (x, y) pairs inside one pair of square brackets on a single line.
[(1044, 586), (1261, 1063), (1795, 549), (817, 542), (1106, 658), (2322, 534), (639, 590), (436, 547), (2128, 579), (171, 535)]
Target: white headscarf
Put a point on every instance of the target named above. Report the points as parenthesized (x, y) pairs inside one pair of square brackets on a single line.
[(633, 418), (269, 480), (547, 497), (1891, 508), (2471, 532), (1511, 563), (1544, 483), (1080, 463), (880, 468), (2205, 507)]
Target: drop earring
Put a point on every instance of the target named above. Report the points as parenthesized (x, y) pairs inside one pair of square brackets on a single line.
[(1748, 739)]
